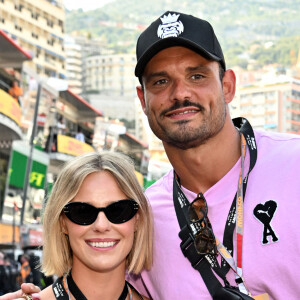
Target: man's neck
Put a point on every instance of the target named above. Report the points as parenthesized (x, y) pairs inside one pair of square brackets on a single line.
[(201, 167)]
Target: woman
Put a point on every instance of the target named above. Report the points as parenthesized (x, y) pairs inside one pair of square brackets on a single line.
[(97, 225)]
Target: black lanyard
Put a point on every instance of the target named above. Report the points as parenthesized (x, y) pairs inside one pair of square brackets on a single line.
[(245, 129), (61, 293), (181, 204)]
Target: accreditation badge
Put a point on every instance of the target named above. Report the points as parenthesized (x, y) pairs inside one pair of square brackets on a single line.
[(264, 296)]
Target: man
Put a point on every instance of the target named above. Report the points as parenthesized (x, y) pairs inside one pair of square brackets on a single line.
[(185, 91)]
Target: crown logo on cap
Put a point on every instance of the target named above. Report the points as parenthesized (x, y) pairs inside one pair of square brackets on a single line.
[(169, 18), (170, 26)]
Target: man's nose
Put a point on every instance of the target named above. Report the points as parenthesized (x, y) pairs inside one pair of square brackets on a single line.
[(180, 90)]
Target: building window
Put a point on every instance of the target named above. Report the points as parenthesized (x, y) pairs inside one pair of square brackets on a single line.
[(50, 23), (18, 27), (34, 15)]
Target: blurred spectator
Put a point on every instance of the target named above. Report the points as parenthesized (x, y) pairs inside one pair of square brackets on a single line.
[(61, 126), (26, 273), (14, 272), (37, 275), (80, 136), (15, 91), (8, 274)]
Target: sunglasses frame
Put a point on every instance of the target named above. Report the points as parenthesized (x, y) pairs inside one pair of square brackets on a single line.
[(134, 207), (205, 225)]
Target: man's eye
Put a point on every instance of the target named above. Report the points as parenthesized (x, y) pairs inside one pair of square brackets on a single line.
[(197, 76), (160, 82)]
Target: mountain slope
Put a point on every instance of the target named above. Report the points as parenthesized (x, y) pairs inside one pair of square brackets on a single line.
[(239, 24)]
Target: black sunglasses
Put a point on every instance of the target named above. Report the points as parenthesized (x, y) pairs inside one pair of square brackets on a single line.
[(82, 213), (205, 241)]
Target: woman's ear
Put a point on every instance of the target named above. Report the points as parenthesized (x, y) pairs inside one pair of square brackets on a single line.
[(63, 225)]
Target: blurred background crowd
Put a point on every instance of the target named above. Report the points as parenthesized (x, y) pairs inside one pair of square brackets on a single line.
[(14, 272)]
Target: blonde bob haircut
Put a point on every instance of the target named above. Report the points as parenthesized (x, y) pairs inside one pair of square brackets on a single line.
[(57, 254)]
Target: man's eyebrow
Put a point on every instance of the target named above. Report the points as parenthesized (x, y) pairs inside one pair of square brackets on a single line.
[(155, 74), (202, 68)]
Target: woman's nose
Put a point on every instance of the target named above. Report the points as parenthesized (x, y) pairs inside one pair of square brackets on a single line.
[(101, 224)]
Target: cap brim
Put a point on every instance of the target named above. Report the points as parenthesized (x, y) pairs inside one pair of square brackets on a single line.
[(167, 43)]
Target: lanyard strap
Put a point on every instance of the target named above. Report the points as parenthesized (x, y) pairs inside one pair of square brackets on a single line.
[(226, 256), (246, 130), (74, 289), (181, 206), (60, 288)]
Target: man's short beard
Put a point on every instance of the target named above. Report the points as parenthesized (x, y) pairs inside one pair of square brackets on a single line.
[(186, 138)]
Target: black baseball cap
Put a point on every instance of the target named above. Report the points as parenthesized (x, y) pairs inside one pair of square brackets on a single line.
[(177, 29)]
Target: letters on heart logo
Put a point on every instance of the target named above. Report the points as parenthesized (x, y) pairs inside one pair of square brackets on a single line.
[(265, 213)]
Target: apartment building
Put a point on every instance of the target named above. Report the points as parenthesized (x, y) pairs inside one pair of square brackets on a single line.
[(74, 65), (111, 86), (38, 27), (272, 105), (111, 74), (78, 47)]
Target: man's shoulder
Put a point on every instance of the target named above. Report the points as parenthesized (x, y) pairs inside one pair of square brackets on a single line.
[(277, 138), (162, 185), (279, 147)]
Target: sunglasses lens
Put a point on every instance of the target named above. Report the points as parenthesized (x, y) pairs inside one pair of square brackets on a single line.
[(205, 241), (197, 210), (86, 214), (121, 211), (81, 213)]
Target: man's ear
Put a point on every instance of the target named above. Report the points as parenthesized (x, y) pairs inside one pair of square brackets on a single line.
[(229, 85), (140, 93)]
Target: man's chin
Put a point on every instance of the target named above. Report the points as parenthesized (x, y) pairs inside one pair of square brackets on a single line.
[(185, 145)]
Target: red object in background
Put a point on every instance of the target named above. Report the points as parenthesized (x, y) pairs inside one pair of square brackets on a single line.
[(41, 119)]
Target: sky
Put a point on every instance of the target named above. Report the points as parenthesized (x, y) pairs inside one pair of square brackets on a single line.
[(85, 5)]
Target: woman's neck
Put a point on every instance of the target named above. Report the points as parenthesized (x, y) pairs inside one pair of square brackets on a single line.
[(95, 285)]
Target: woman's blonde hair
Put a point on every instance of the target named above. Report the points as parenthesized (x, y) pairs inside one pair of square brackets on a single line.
[(57, 254)]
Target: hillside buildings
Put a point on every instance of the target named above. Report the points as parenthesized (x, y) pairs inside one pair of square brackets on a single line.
[(269, 100), (111, 74), (78, 48), (38, 27)]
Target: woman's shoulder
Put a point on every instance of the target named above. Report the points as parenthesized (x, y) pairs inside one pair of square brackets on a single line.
[(47, 293)]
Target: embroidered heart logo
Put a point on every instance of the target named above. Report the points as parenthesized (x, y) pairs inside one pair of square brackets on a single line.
[(265, 213)]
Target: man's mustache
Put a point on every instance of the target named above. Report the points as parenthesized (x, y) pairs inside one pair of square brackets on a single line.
[(182, 104)]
